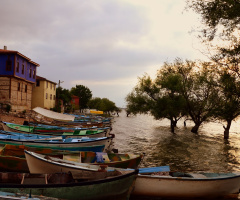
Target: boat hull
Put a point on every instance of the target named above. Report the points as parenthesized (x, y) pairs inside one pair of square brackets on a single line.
[(98, 144), (118, 187), (38, 164), (164, 186), (12, 158), (94, 148), (13, 164), (92, 132)]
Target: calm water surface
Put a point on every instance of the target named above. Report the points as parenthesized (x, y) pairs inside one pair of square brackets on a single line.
[(183, 151)]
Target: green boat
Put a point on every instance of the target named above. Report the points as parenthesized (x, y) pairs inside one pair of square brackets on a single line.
[(117, 184), (56, 130)]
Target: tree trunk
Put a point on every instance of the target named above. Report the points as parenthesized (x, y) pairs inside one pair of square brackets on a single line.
[(195, 128), (226, 129), (173, 125)]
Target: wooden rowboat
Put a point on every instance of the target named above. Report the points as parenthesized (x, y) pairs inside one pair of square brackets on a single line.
[(42, 164), (116, 185), (38, 163), (71, 144), (186, 185), (56, 130), (12, 158)]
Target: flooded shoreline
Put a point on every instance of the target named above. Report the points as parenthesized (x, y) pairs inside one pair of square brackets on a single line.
[(182, 151)]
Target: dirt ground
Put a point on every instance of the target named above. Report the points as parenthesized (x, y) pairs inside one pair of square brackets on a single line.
[(11, 118)]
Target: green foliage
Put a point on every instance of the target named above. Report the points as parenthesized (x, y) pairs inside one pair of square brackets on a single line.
[(221, 20), (64, 95), (57, 108), (160, 97), (218, 15), (103, 104), (180, 89), (229, 99), (84, 94), (95, 103)]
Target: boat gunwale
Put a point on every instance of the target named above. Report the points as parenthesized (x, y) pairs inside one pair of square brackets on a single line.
[(72, 184), (48, 142), (68, 165), (189, 178), (54, 132)]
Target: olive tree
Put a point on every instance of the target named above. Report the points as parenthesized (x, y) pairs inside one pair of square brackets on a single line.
[(150, 97), (228, 104), (180, 89)]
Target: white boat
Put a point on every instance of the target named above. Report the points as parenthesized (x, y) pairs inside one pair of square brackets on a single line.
[(187, 185), (42, 164)]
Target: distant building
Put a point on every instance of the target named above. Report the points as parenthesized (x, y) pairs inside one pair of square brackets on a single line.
[(44, 93), (75, 102), (17, 78)]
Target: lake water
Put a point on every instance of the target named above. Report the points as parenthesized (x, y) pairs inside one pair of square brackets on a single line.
[(183, 151)]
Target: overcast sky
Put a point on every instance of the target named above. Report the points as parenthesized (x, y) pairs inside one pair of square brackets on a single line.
[(102, 44)]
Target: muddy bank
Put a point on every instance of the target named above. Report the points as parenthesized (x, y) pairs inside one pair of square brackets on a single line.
[(12, 118)]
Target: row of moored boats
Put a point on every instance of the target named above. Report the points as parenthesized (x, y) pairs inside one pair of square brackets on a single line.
[(73, 160)]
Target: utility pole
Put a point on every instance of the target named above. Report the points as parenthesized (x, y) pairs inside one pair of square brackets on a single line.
[(59, 82)]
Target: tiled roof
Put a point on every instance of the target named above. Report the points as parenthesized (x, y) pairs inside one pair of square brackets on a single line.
[(16, 52), (44, 79)]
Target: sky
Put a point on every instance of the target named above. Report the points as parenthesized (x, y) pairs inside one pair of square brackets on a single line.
[(104, 45)]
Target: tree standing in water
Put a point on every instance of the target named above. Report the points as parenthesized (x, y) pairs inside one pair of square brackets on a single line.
[(157, 97), (221, 30), (180, 89), (228, 102)]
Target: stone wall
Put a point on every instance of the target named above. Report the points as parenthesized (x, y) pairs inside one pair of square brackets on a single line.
[(4, 90), (16, 92)]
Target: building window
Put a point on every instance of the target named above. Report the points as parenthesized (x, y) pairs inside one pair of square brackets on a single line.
[(50, 96), (37, 83), (54, 87), (22, 68), (34, 74), (19, 86), (26, 88), (47, 84), (30, 73), (17, 70), (51, 85), (8, 64), (46, 95), (54, 98)]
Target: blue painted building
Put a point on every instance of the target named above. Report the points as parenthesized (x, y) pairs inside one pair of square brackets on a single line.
[(17, 79)]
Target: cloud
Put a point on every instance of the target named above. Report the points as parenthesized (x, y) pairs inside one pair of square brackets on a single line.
[(101, 43)]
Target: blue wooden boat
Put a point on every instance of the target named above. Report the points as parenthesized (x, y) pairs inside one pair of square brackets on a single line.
[(71, 144)]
